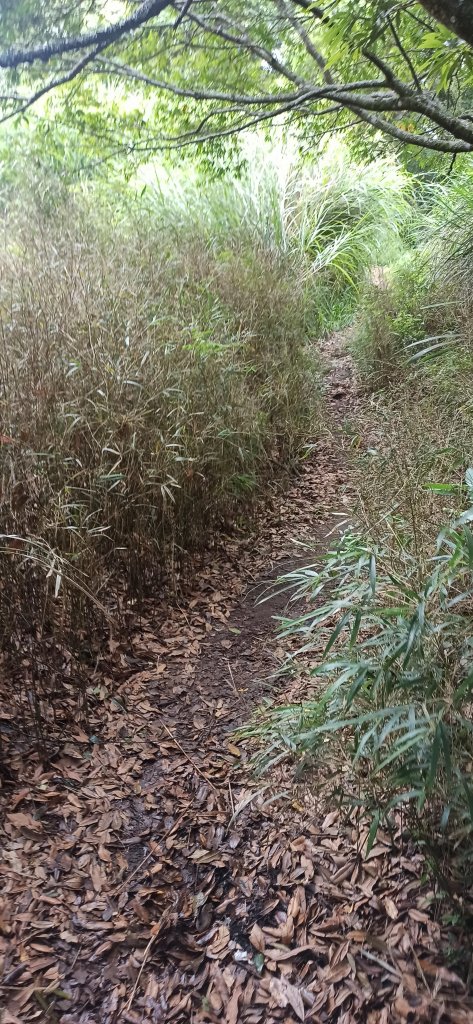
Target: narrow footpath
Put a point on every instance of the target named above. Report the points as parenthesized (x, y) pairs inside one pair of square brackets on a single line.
[(148, 876)]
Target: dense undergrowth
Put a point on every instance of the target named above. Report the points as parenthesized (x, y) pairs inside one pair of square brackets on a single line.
[(384, 650), (151, 388), (158, 372)]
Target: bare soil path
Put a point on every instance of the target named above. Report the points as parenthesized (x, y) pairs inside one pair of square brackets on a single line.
[(148, 877)]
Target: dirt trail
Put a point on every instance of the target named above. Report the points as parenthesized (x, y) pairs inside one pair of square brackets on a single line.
[(147, 876)]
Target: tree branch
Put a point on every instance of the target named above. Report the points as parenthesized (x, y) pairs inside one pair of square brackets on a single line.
[(421, 103), (13, 58), (307, 41), (243, 42), (412, 138), (312, 93), (54, 84), (194, 135), (198, 94), (404, 53), (190, 138), (307, 5)]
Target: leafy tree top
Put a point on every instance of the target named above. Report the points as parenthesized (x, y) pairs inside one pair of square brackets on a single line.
[(405, 70)]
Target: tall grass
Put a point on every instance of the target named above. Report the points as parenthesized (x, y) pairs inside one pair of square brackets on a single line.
[(156, 375), (151, 385), (425, 309), (413, 341), (392, 680), (384, 647), (335, 217)]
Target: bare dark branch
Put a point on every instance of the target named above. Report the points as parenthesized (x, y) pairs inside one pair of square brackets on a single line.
[(404, 54), (308, 44), (13, 58)]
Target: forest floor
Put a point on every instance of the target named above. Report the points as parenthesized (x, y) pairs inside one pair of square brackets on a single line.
[(149, 876)]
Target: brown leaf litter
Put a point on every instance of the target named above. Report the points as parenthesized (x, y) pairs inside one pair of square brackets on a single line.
[(147, 876)]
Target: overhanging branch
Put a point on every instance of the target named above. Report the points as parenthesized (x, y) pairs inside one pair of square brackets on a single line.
[(25, 104), (14, 58), (381, 103), (422, 141)]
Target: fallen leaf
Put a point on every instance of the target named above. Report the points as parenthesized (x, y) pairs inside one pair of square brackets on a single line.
[(257, 938), (284, 993)]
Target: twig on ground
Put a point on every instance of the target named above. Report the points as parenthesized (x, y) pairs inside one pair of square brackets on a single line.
[(232, 677), (189, 758), (380, 962), (231, 798), (140, 972)]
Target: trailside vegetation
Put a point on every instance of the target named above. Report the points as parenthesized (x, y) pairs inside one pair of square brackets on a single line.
[(160, 371)]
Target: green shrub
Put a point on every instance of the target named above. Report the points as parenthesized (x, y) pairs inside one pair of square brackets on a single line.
[(394, 676), (393, 316), (447, 232), (424, 311)]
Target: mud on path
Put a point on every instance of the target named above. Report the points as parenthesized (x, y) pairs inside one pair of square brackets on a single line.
[(149, 877)]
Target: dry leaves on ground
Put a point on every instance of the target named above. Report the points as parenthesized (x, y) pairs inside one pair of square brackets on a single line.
[(146, 875)]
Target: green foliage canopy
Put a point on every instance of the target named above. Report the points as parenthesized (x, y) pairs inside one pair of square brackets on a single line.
[(160, 75)]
